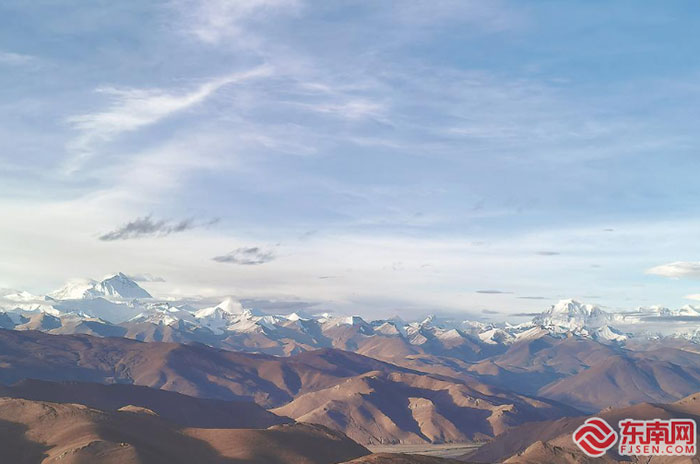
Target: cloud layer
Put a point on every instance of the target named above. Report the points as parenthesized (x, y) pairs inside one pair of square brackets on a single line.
[(148, 227), (677, 270), (248, 256), (146, 278)]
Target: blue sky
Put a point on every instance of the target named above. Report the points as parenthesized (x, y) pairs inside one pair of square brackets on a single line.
[(372, 157)]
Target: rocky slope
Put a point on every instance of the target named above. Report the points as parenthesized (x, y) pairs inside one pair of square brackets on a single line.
[(401, 407), (43, 432)]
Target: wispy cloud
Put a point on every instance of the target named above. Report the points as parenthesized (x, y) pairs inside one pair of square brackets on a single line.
[(494, 292), (532, 298), (146, 278), (694, 296), (676, 269), (548, 253), (656, 319), (351, 108), (214, 20), (148, 227), (133, 109), (16, 59), (246, 256)]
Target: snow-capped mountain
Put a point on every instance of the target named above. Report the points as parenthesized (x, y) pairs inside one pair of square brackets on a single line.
[(495, 335), (608, 333), (17, 296), (118, 306), (660, 311), (114, 312), (24, 301), (162, 314), (115, 299), (230, 319), (74, 289), (571, 315), (117, 286)]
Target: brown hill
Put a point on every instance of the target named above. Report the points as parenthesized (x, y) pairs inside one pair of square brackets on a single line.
[(297, 444), (195, 370), (403, 407), (532, 364), (431, 364), (590, 375), (621, 381), (400, 405), (177, 408), (550, 441), (41, 432)]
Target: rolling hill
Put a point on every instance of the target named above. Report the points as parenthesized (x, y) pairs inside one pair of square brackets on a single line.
[(34, 432)]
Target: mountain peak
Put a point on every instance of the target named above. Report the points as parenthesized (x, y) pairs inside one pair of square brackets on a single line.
[(571, 314), (74, 289), (230, 305), (118, 286)]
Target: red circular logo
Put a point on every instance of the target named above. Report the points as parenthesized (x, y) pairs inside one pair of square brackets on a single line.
[(595, 437)]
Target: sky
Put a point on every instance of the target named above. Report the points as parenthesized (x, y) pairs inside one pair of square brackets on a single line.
[(369, 157)]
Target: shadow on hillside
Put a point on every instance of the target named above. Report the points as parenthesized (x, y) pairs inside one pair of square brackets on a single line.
[(16, 448), (156, 442)]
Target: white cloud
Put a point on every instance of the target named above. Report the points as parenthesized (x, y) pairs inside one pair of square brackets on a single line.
[(676, 269), (132, 109), (146, 277), (15, 59), (213, 20), (694, 296), (351, 109)]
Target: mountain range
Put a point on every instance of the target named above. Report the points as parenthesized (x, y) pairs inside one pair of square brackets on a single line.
[(118, 306), (111, 347)]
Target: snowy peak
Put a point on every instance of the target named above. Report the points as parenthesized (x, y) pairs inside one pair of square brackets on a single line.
[(223, 310), (607, 333), (354, 321), (573, 308), (219, 318), (496, 336), (14, 300), (389, 328), (17, 296), (118, 286), (690, 311), (572, 315), (163, 314), (299, 316), (231, 306), (74, 289)]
